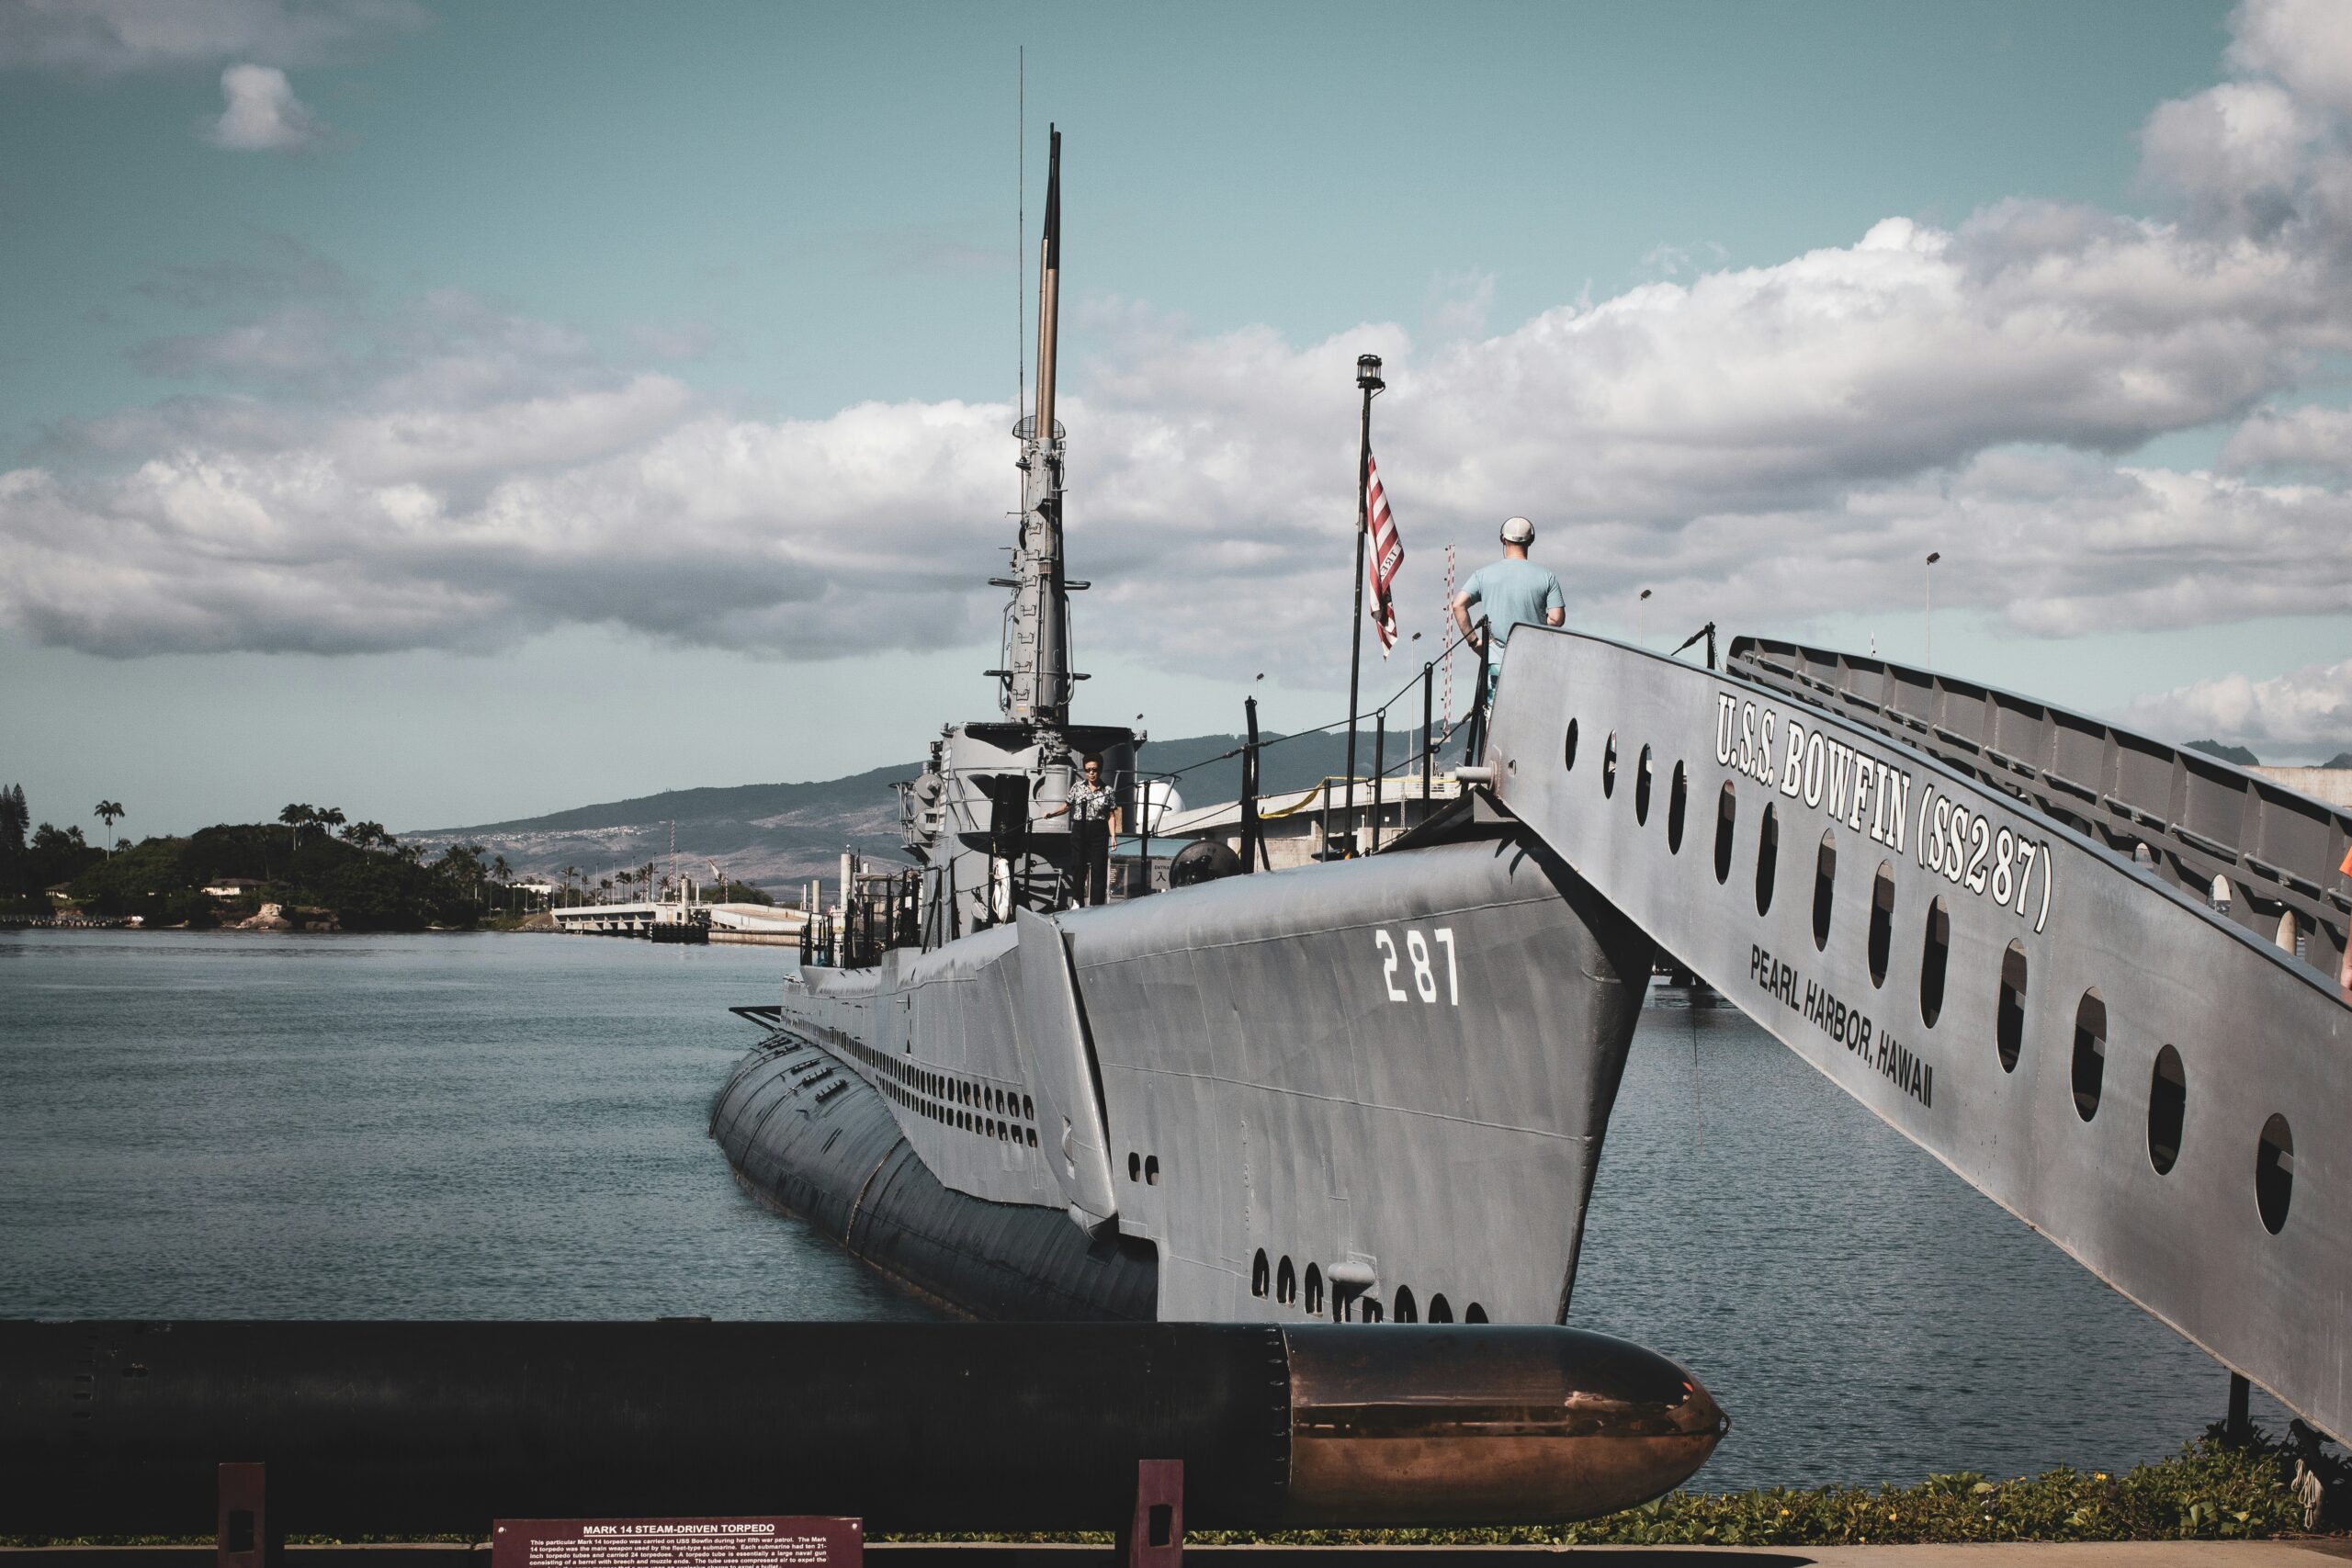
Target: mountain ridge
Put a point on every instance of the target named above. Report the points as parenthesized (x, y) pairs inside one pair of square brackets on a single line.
[(778, 835)]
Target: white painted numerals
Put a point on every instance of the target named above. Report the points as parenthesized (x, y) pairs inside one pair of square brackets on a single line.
[(1417, 951)]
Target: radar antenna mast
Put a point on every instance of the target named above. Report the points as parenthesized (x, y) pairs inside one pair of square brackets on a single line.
[(1037, 677)]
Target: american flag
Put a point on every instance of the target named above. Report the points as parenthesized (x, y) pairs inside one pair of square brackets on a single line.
[(1386, 555)]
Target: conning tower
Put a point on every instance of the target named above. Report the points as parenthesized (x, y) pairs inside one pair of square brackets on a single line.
[(975, 816)]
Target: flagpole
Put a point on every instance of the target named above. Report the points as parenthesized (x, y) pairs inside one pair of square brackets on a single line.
[(1367, 378)]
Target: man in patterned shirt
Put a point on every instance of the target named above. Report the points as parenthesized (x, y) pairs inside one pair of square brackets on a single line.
[(1094, 819)]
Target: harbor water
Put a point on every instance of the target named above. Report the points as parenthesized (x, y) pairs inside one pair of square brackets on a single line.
[(238, 1125)]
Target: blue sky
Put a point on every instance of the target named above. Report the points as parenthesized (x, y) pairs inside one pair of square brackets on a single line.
[(458, 412)]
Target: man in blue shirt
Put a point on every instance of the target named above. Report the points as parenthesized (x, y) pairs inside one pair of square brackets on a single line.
[(1509, 592)]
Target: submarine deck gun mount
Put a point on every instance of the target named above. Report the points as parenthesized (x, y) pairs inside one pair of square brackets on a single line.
[(430, 1428)]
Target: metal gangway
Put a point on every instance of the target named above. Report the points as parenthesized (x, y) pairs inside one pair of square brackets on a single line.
[(2092, 974)]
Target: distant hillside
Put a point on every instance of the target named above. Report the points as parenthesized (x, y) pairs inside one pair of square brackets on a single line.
[(780, 835), (2238, 754)]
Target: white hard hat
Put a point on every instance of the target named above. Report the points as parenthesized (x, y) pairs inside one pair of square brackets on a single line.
[(1517, 531)]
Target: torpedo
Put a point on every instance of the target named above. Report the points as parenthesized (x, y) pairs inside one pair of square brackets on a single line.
[(408, 1428)]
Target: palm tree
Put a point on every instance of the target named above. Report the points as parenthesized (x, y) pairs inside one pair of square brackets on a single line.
[(296, 819), (108, 810), (330, 818)]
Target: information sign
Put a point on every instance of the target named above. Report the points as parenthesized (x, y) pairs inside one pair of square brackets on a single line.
[(746, 1541)]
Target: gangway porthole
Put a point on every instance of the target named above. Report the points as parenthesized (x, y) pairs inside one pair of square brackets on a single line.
[(2009, 1024), (1881, 921), (1825, 887), (2274, 1173), (2090, 1053), (1642, 789), (1727, 810), (1568, 750), (1935, 951), (1768, 858), (1608, 767), (1676, 798), (2167, 1109)]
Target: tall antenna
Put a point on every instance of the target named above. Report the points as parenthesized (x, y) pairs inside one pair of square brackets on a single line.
[(1020, 231)]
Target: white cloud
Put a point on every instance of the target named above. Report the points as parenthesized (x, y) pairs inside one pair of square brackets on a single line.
[(2309, 437), (105, 38), (263, 115), (2304, 43), (1784, 441), (2305, 713)]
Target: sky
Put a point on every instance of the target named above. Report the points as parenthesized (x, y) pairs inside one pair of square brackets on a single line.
[(457, 412)]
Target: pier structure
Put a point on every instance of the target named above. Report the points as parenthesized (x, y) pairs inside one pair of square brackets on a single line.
[(1296, 826), (753, 923)]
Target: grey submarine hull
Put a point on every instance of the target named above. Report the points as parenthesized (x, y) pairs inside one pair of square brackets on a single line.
[(1370, 1091)]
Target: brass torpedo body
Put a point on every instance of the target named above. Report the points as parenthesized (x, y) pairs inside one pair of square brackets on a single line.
[(1466, 1425)]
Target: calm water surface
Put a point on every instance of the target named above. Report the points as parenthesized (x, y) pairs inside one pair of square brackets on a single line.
[(232, 1124)]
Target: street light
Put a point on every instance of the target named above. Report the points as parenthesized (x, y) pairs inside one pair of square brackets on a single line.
[(1368, 379), (1933, 556), (1638, 602)]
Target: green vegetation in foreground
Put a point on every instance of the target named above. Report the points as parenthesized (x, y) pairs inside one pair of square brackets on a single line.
[(2213, 1490)]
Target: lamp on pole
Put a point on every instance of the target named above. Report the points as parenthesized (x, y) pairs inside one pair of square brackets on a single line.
[(1929, 570), (1638, 602), (1368, 379)]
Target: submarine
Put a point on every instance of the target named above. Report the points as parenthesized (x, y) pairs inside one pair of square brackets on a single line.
[(1369, 1090)]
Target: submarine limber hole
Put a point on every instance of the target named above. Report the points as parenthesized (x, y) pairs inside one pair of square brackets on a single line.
[(1406, 1311), (1768, 858), (1824, 886), (2090, 1051), (1727, 811), (1642, 789), (1474, 1312), (2167, 1109), (1372, 1312), (1028, 1109), (1935, 951), (1881, 921), (2274, 1173), (1285, 1283), (1151, 1171), (1608, 767), (1134, 1166), (1677, 799), (1260, 1274), (1314, 1290), (1568, 750), (1441, 1310)]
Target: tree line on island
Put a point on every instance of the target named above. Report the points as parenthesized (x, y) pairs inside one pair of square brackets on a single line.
[(315, 868), (360, 878)]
